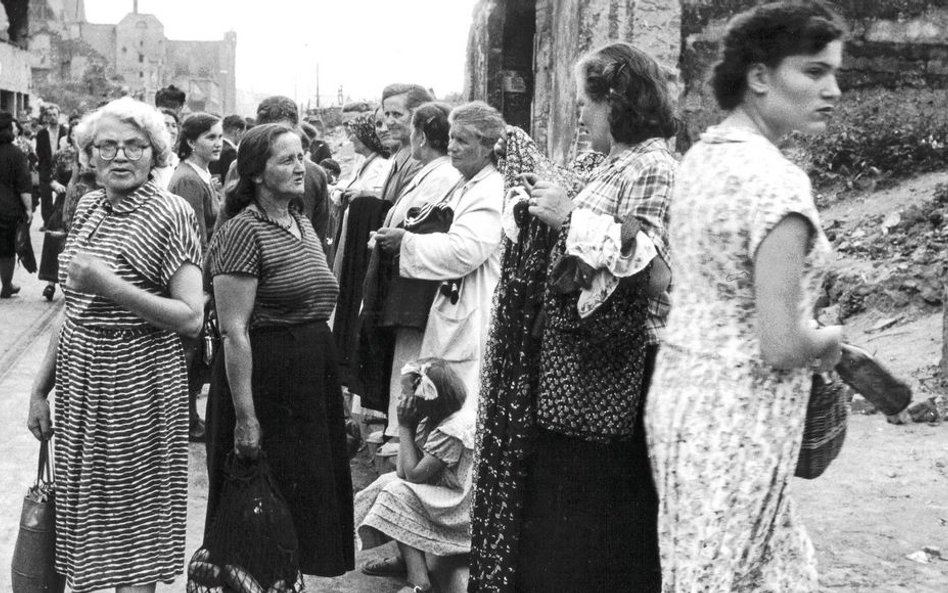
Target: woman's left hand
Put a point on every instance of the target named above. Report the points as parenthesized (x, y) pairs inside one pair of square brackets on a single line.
[(407, 411), (550, 204), (390, 239), (87, 273)]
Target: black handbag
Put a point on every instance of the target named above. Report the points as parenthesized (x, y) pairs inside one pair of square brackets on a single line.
[(824, 430), (34, 557), (24, 247), (408, 300)]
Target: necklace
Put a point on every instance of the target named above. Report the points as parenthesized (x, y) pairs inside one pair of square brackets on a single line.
[(285, 222)]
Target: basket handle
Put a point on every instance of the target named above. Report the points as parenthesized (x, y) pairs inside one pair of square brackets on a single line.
[(43, 467)]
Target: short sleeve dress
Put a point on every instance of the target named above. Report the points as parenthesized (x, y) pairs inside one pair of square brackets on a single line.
[(122, 400), (724, 430), (434, 518), (295, 384)]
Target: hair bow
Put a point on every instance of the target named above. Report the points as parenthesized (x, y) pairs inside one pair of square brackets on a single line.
[(425, 388)]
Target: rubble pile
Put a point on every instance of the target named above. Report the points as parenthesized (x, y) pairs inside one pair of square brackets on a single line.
[(908, 249)]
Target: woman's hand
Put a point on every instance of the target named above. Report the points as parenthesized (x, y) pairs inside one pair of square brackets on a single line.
[(89, 274), (549, 203), (38, 419), (390, 239), (407, 411), (57, 187), (247, 438), (832, 340)]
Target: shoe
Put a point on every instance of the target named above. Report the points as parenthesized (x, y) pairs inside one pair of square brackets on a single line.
[(197, 432), (49, 291), (386, 567), (9, 291)]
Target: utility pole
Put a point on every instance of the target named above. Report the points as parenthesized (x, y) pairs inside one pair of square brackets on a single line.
[(317, 85)]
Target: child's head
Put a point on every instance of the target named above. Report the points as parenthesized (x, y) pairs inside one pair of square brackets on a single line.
[(438, 389)]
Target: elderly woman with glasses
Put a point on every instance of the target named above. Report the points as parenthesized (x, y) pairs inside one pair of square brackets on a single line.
[(132, 283)]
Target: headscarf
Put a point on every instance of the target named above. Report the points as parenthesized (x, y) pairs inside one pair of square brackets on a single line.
[(363, 126)]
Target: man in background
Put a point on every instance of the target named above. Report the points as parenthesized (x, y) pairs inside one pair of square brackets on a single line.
[(234, 127), (47, 145)]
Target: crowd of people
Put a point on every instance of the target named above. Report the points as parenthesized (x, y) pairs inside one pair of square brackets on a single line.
[(575, 399)]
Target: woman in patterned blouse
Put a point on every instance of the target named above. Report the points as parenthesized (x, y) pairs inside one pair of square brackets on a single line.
[(274, 384), (726, 415), (587, 506)]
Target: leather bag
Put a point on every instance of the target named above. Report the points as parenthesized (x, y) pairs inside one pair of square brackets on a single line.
[(24, 247), (34, 556), (408, 300)]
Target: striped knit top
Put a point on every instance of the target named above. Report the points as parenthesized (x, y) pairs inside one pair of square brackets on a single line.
[(294, 283), (144, 240)]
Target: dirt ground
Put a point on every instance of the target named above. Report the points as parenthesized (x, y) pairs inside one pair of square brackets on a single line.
[(886, 495)]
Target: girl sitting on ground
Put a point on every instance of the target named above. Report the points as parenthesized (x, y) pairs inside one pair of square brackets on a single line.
[(425, 504)]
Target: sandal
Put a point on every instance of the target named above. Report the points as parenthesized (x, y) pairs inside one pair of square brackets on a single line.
[(386, 567)]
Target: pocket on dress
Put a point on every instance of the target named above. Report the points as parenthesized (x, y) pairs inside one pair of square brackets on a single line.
[(451, 337)]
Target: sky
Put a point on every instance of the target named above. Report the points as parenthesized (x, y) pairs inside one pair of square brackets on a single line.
[(362, 45)]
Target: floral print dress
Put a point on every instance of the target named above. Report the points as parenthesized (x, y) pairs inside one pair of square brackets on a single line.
[(724, 430)]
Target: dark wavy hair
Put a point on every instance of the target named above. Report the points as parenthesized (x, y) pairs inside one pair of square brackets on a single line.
[(255, 150), (191, 129), (451, 391), (635, 87), (766, 35), (432, 120)]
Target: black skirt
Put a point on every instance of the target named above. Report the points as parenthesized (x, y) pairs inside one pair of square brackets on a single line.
[(299, 405), (590, 514)]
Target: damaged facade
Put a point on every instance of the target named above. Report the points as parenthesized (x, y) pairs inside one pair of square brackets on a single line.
[(521, 53), (64, 45)]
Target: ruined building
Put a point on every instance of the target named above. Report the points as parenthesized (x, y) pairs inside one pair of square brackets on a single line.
[(64, 45), (14, 59), (521, 52)]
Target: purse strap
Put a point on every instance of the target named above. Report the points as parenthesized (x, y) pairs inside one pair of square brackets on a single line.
[(44, 465)]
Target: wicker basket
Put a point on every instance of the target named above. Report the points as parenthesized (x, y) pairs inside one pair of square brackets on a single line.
[(825, 427)]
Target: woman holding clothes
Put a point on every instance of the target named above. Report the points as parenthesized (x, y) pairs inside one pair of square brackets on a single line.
[(466, 258), (406, 317), (274, 385), (131, 278), (725, 419), (565, 499)]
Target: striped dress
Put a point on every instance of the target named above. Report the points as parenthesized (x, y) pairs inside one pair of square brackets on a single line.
[(121, 400)]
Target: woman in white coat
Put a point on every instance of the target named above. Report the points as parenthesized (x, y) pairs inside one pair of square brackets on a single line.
[(466, 258)]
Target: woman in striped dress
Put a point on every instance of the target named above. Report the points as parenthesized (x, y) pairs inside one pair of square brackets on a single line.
[(275, 385), (132, 282)]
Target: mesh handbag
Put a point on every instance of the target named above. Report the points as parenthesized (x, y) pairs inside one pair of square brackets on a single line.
[(251, 546), (825, 427)]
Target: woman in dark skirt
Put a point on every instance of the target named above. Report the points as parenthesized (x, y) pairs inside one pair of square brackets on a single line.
[(564, 499), (274, 386)]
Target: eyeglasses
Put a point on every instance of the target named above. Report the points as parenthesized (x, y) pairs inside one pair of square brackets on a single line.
[(109, 151)]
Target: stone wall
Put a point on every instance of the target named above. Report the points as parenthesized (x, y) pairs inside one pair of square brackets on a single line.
[(565, 29)]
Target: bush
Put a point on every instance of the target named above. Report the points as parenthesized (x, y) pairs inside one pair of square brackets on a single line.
[(882, 132)]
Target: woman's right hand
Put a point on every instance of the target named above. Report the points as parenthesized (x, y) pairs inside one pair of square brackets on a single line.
[(38, 419), (831, 337), (247, 438)]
